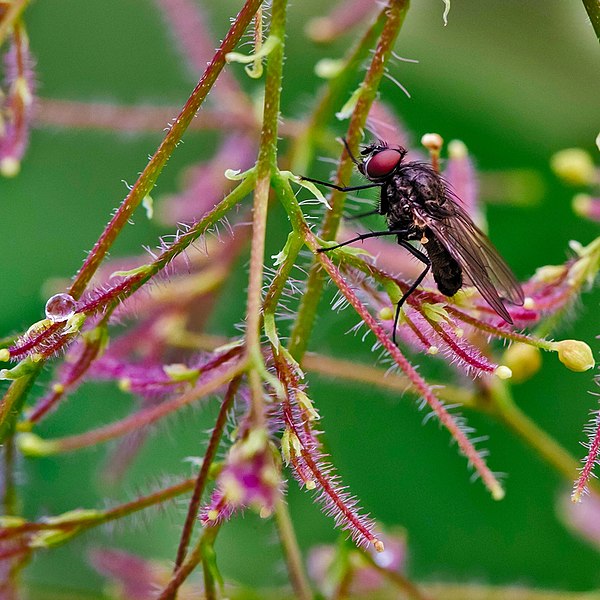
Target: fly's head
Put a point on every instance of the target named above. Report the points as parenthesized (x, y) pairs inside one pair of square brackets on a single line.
[(380, 161)]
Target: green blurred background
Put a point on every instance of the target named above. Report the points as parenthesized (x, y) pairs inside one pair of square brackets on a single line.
[(516, 81)]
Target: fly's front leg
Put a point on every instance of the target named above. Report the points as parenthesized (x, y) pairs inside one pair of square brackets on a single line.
[(339, 188)]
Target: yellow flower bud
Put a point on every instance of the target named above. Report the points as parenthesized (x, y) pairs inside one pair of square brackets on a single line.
[(581, 204), (575, 355), (457, 149), (503, 372)]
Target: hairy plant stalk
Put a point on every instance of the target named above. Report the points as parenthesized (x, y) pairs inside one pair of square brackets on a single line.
[(332, 97), (207, 461), (418, 383), (265, 167)]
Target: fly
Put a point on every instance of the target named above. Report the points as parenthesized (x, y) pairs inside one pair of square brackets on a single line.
[(419, 206)]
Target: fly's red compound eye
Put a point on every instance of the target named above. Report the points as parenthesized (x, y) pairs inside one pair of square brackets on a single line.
[(382, 163)]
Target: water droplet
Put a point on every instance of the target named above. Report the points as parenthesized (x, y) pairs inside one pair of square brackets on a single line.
[(60, 307)]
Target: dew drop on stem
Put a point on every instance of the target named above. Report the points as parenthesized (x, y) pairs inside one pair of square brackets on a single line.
[(60, 307)]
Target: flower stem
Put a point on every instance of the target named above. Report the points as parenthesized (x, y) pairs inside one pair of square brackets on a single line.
[(419, 384), (9, 491), (191, 562), (10, 17), (291, 550), (332, 96), (328, 366), (265, 168), (207, 461), (548, 448), (13, 401), (144, 417), (127, 287), (209, 566), (77, 522)]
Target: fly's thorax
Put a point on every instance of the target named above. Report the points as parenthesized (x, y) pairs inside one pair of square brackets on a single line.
[(396, 196), (399, 214), (422, 184), (401, 207)]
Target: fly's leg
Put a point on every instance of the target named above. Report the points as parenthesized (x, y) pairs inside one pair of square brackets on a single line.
[(416, 253), (425, 260), (339, 188), (352, 157), (364, 236)]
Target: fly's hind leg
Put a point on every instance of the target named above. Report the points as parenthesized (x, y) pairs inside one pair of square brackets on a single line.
[(425, 260), (364, 236), (416, 253)]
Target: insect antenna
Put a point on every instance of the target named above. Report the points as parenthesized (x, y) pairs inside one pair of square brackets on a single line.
[(350, 154)]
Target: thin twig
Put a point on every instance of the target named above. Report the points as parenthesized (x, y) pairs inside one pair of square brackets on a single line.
[(202, 479)]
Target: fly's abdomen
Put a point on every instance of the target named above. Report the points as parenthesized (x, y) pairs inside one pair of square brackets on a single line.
[(447, 273)]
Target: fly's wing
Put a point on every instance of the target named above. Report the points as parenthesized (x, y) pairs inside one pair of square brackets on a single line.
[(472, 249)]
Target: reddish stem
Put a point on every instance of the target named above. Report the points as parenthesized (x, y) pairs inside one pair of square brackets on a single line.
[(147, 179), (418, 382), (202, 478), (145, 417)]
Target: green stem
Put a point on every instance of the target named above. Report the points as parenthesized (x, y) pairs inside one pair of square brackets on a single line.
[(9, 499), (331, 98), (13, 401), (550, 450), (191, 562), (209, 562), (265, 168), (593, 10), (292, 248), (291, 550)]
